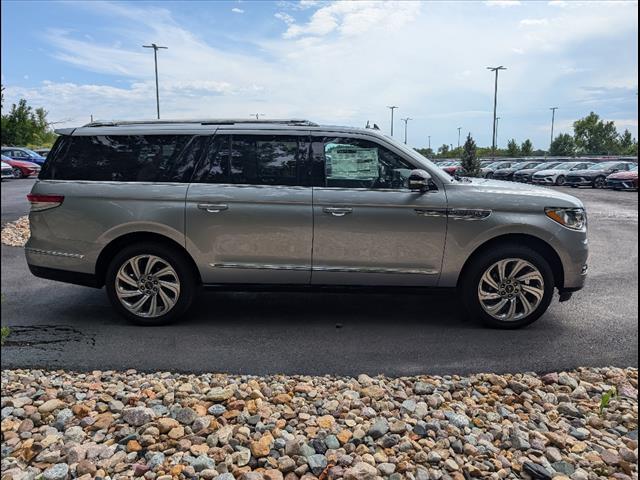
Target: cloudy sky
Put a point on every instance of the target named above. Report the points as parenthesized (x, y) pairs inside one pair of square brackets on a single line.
[(331, 62)]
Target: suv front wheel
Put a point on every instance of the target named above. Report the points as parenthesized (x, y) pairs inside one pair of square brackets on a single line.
[(508, 288), (150, 284)]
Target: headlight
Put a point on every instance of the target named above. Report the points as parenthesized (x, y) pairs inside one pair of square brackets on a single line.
[(573, 218)]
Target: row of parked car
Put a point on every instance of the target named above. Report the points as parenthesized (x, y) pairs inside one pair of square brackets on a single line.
[(614, 174), (19, 162)]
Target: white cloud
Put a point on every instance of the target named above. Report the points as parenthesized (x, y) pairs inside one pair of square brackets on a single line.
[(534, 21), (237, 10), (285, 17), (503, 3)]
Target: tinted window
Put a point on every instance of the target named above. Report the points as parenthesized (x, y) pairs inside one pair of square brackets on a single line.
[(254, 160), (125, 158), (355, 163)]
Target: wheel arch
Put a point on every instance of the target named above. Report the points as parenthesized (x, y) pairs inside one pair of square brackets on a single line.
[(531, 241), (127, 239)]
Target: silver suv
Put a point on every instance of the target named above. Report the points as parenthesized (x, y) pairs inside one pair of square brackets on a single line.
[(154, 210)]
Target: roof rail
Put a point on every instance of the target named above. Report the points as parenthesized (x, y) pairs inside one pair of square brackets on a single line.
[(213, 121)]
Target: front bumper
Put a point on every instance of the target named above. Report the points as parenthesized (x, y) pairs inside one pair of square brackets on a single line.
[(522, 178), (549, 180), (579, 181), (622, 184)]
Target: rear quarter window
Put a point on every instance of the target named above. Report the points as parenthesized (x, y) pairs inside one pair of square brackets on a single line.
[(124, 158)]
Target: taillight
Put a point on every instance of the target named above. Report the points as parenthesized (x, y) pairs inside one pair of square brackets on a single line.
[(44, 202)]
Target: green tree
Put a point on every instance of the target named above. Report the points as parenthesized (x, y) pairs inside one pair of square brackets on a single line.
[(25, 126), (626, 143), (513, 150), (526, 149), (470, 162), (595, 136), (443, 150), (563, 146)]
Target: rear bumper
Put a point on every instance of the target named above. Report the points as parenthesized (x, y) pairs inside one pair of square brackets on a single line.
[(66, 276)]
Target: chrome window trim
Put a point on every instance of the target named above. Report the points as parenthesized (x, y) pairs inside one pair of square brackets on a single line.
[(54, 253)]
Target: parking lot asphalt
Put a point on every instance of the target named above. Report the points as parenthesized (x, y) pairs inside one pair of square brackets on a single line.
[(54, 325)]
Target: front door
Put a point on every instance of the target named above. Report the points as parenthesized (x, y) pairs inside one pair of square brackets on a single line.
[(249, 215), (369, 228)]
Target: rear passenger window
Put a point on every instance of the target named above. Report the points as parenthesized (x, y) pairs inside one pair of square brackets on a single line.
[(126, 158), (253, 160)]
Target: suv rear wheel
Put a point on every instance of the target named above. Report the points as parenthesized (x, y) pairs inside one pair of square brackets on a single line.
[(150, 284), (508, 288)]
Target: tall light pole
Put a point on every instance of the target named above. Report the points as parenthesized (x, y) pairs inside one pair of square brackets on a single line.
[(495, 106), (155, 60), (553, 119), (406, 121), (429, 142), (459, 128), (392, 107), (497, 125), (257, 115)]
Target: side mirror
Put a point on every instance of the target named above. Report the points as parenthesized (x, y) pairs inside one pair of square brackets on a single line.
[(419, 180)]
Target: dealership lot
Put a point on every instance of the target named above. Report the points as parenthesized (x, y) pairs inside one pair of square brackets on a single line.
[(63, 326)]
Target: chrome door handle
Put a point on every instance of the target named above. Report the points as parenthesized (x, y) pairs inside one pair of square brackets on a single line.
[(337, 211), (213, 207)]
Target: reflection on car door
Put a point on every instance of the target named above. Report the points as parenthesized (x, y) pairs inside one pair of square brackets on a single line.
[(369, 228), (249, 212)]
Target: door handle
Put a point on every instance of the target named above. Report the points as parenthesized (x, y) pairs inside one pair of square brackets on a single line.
[(337, 211), (213, 207)]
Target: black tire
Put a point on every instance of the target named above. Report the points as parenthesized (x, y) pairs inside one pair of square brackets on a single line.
[(17, 173), (489, 175), (473, 273), (189, 285), (561, 180), (599, 182), (574, 186)]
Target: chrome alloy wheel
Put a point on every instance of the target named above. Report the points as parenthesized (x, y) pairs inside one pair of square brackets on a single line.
[(147, 286), (511, 289)]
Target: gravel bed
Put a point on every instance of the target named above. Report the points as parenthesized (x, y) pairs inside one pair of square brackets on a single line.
[(16, 234), (105, 424)]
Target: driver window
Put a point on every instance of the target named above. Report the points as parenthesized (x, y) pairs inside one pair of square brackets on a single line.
[(355, 163)]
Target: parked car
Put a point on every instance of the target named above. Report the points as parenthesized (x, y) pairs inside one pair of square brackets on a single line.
[(524, 175), (507, 173), (596, 175), (22, 169), (627, 180), (43, 152), (558, 174), (23, 154), (486, 163), (453, 168), (7, 171), (489, 170), (154, 210)]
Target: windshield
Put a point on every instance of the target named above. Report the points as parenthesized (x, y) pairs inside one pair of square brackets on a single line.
[(603, 166), (565, 166), (634, 169), (546, 166), (31, 153)]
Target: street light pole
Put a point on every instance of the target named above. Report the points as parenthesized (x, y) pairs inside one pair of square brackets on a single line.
[(429, 142), (497, 125), (392, 107), (495, 106), (257, 115), (155, 60), (553, 119), (406, 121), (459, 128)]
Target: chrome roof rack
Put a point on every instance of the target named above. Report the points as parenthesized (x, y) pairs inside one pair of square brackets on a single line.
[(212, 121)]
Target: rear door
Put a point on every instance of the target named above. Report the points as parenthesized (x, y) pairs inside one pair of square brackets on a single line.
[(369, 228), (249, 215)]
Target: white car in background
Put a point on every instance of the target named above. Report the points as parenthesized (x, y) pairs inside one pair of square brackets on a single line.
[(558, 174), (7, 171)]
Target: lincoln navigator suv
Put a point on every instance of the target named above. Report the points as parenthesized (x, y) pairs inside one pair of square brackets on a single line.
[(155, 210)]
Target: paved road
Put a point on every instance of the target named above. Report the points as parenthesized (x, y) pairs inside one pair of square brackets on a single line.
[(63, 326)]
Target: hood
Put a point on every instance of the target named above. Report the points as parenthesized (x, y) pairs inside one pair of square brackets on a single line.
[(551, 172), (624, 175), (536, 195), (23, 163), (506, 171)]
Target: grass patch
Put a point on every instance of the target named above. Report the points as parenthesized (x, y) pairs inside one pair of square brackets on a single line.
[(5, 331)]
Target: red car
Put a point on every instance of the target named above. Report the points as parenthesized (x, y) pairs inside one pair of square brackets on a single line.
[(627, 180), (452, 169), (22, 168)]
